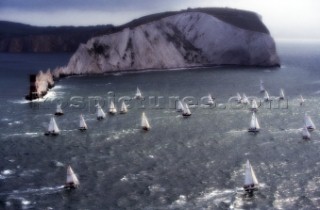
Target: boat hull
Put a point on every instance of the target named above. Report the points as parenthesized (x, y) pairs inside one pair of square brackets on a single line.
[(70, 186), (310, 128), (145, 128), (58, 113), (83, 129), (253, 130), (51, 134)]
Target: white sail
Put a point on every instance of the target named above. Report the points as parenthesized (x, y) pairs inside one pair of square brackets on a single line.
[(59, 110), (262, 89), (179, 106), (305, 133), (245, 99), (138, 94), (250, 179), (186, 111), (301, 100), (144, 122), (72, 180), (254, 124), (257, 124), (266, 96), (254, 105), (210, 100), (281, 94), (100, 112), (309, 123), (53, 127), (82, 124), (239, 98), (112, 108), (124, 108)]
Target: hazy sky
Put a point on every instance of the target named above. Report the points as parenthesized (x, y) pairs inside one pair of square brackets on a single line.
[(296, 19)]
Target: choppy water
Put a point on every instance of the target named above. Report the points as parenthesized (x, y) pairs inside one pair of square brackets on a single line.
[(194, 163)]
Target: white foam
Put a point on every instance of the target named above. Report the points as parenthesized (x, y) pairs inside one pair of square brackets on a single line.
[(19, 101), (38, 191), (7, 172)]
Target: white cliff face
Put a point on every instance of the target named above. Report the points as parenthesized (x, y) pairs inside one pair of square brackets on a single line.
[(183, 40)]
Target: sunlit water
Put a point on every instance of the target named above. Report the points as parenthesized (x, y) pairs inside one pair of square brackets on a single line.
[(193, 163)]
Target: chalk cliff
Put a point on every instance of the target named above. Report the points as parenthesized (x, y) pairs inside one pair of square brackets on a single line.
[(189, 38)]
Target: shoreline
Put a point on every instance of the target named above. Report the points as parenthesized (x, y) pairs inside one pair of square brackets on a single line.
[(41, 83)]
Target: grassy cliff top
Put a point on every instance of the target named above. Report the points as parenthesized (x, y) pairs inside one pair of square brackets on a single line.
[(240, 18)]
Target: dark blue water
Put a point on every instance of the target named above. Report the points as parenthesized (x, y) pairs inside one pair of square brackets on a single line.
[(194, 163)]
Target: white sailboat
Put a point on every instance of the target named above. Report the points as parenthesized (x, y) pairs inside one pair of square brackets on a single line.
[(112, 108), (52, 128), (250, 180), (239, 98), (262, 89), (245, 99), (254, 105), (72, 181), (309, 123), (179, 106), (138, 94), (123, 108), (254, 124), (186, 111), (144, 122), (266, 96), (82, 124), (58, 110), (305, 133), (301, 100), (210, 100), (100, 113), (281, 96)]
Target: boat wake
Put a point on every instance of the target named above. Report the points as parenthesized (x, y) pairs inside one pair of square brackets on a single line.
[(37, 191), (121, 134), (27, 134), (237, 131), (19, 101)]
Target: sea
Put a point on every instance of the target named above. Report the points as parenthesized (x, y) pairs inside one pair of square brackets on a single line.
[(196, 162)]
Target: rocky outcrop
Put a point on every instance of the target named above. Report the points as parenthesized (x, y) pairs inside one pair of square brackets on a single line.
[(40, 84), (178, 41)]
